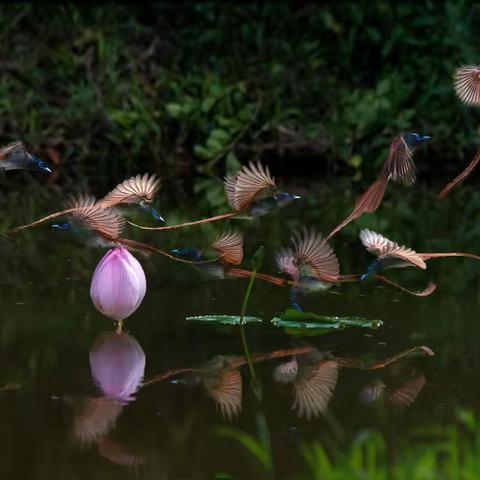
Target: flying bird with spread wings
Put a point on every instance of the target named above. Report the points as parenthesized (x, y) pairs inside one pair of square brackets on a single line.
[(14, 156), (251, 192), (466, 82), (227, 249), (139, 190), (391, 255), (398, 167)]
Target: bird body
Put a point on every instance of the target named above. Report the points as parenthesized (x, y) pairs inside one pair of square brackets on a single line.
[(15, 157), (398, 166), (311, 264)]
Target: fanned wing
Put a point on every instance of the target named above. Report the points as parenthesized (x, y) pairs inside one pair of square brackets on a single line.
[(408, 393), (226, 392), (230, 246), (93, 216), (285, 263), (314, 391), (118, 454), (247, 185), (311, 251), (286, 372), (133, 190), (11, 148), (399, 165), (382, 247), (467, 84)]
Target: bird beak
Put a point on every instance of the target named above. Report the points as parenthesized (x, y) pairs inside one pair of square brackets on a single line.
[(48, 170), (296, 197), (426, 137), (174, 251), (364, 276)]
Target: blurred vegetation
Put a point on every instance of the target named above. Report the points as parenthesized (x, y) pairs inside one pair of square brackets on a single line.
[(189, 90)]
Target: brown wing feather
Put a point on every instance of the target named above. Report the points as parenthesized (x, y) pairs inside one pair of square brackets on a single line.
[(285, 263), (133, 190), (383, 248), (408, 393), (249, 184), (227, 392), (399, 165), (11, 147), (230, 247), (93, 216), (467, 84), (314, 391), (118, 454), (312, 251)]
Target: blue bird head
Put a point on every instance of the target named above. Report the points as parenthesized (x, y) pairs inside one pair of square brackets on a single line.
[(61, 226), (146, 206), (39, 165), (187, 253), (413, 139), (284, 198)]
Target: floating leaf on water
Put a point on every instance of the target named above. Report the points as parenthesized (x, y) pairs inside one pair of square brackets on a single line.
[(224, 319), (311, 323)]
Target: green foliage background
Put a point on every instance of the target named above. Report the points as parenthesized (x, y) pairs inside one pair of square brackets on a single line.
[(177, 88)]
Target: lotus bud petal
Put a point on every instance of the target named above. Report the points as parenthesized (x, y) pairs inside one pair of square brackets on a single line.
[(117, 365), (118, 284)]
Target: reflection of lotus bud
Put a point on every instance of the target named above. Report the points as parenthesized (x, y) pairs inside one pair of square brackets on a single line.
[(117, 363), (118, 284)]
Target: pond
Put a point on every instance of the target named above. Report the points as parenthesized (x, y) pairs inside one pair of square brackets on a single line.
[(198, 414)]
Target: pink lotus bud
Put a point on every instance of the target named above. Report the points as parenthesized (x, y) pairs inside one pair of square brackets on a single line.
[(117, 364), (118, 284)]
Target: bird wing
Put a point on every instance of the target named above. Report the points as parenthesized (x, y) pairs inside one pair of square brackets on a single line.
[(382, 247), (312, 252), (226, 392), (247, 185), (10, 148), (286, 372), (93, 216), (133, 190), (408, 393), (466, 81), (314, 391), (399, 165), (230, 246), (118, 454), (285, 262)]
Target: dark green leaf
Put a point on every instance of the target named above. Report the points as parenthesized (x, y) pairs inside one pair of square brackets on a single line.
[(224, 319)]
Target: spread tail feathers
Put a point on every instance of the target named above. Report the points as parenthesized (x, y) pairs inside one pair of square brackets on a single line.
[(367, 203), (460, 178)]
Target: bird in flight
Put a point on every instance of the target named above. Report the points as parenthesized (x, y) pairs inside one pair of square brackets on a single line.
[(398, 166), (15, 157), (251, 192)]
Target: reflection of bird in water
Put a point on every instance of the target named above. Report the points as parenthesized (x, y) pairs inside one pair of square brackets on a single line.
[(222, 382), (311, 264), (139, 190), (15, 157), (117, 453), (402, 396), (228, 250), (251, 192), (392, 255), (314, 377), (94, 418), (398, 167)]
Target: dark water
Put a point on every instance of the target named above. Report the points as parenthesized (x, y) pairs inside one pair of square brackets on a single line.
[(55, 423)]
